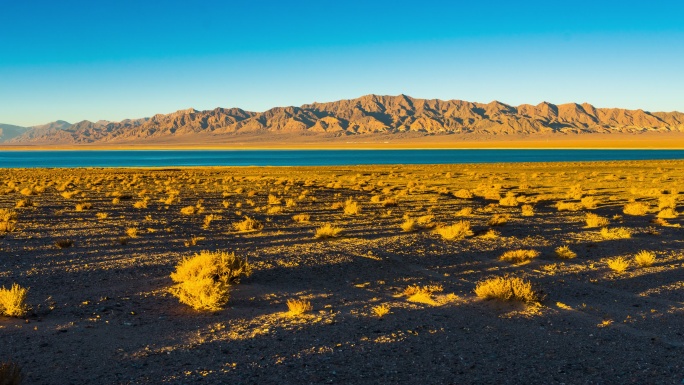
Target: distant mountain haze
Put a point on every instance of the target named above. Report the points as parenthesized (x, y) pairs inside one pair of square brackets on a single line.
[(362, 117)]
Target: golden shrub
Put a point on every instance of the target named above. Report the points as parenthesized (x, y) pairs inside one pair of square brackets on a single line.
[(202, 281), (498, 220), (328, 231), (381, 310), (463, 194), (618, 264), (248, 224), (351, 207), (616, 233), (456, 231), (635, 208), (594, 220), (13, 301), (509, 201), (668, 213), (506, 289), (645, 258), (565, 252), (301, 218), (517, 256), (298, 306), (527, 211)]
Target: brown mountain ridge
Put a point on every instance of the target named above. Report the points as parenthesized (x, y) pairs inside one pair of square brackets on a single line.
[(365, 117)]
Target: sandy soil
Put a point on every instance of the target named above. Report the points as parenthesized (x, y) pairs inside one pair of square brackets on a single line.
[(101, 312)]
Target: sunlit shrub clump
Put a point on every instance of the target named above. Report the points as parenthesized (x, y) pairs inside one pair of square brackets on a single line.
[(203, 280), (506, 289)]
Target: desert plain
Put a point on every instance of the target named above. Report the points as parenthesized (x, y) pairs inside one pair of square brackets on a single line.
[(394, 285)]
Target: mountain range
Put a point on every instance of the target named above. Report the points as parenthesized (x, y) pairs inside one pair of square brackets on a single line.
[(364, 117)]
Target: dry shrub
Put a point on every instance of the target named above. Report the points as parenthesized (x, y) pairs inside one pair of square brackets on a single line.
[(132, 232), (351, 207), (409, 225), (506, 289), (565, 252), (273, 200), (422, 294), (498, 220), (328, 231), (456, 231), (645, 258), (274, 210), (426, 221), (568, 206), (8, 219), (616, 233), (101, 215), (248, 224), (594, 220), (667, 202), (83, 206), (27, 191), (298, 306), (635, 208), (463, 194), (208, 219), (202, 281), (618, 264), (381, 310), (491, 234), (509, 201), (301, 218), (668, 213), (13, 301), (518, 256), (10, 373), (527, 211), (589, 203)]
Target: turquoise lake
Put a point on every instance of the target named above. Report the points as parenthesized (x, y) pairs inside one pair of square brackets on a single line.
[(177, 158)]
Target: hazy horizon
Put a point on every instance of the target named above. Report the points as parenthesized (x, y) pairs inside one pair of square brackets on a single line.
[(124, 60)]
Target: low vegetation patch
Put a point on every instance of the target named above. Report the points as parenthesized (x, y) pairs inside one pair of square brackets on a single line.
[(616, 233), (618, 264), (13, 301), (248, 224), (564, 252), (506, 289), (203, 280), (298, 307), (645, 258), (381, 310), (518, 256), (594, 220), (456, 231), (635, 208), (328, 231)]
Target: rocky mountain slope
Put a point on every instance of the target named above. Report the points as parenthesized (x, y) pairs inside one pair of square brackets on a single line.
[(367, 115)]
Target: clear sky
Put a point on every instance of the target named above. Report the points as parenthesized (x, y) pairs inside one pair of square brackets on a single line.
[(117, 59)]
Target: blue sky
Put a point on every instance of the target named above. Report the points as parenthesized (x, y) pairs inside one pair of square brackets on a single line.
[(117, 59)]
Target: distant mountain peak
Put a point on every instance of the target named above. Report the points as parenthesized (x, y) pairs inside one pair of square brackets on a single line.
[(367, 115)]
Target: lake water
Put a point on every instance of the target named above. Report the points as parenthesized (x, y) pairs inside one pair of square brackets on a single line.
[(173, 158)]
